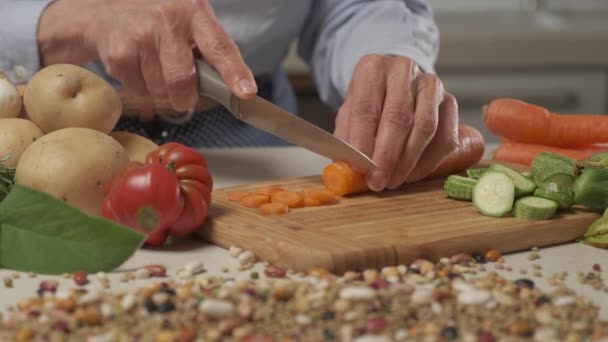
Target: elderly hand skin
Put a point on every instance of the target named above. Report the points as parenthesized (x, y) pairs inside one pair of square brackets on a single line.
[(399, 116), (146, 44)]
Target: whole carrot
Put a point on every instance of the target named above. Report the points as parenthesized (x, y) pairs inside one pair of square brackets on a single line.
[(519, 121), (520, 153), (342, 180)]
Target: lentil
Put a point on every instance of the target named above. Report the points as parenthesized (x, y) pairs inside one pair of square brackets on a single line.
[(275, 272), (156, 270), (80, 278), (8, 281)]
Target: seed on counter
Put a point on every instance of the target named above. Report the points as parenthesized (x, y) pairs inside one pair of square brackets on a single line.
[(537, 274), (254, 275), (535, 248), (480, 258), (246, 257), (31, 274), (499, 266), (156, 270), (533, 256), (15, 275), (508, 268), (523, 271), (493, 255), (80, 278), (8, 281), (275, 272), (48, 286), (66, 276), (235, 251), (195, 267), (597, 268), (101, 276), (142, 273)]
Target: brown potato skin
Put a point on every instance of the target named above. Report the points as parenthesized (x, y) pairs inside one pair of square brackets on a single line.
[(137, 147), (73, 164), (16, 135), (65, 95)]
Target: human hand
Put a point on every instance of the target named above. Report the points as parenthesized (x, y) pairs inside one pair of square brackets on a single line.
[(146, 44), (399, 116)]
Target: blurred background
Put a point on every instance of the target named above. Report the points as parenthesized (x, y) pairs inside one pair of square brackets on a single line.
[(549, 52)]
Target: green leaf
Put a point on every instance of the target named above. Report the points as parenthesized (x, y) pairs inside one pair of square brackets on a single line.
[(42, 234)]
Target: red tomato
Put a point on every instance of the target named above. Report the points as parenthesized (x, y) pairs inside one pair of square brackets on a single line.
[(195, 183), (146, 198)]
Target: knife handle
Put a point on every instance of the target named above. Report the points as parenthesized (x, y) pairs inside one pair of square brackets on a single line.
[(212, 85)]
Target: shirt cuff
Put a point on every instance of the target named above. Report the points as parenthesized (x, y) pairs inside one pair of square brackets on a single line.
[(19, 53)]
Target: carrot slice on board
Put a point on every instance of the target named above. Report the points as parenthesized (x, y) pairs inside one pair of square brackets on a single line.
[(324, 196), (237, 196), (268, 190), (291, 198), (255, 201), (274, 208), (311, 202)]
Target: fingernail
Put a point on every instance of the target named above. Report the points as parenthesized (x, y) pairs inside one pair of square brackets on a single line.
[(377, 180), (248, 86)]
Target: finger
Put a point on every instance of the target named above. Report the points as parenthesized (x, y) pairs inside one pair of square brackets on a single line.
[(341, 130), (444, 142), (121, 60), (221, 52), (429, 93), (152, 70), (395, 125), (176, 60), (365, 103)]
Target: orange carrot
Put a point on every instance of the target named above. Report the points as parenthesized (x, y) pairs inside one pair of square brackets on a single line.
[(523, 122), (268, 190), (255, 201), (520, 153), (237, 196), (291, 198), (323, 196), (311, 202), (342, 180), (274, 208)]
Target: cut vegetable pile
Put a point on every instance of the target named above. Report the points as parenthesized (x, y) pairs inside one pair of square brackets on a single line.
[(554, 182)]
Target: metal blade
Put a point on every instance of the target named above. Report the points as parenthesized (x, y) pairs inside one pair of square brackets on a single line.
[(273, 119)]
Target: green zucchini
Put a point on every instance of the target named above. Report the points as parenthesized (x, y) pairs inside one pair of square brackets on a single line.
[(494, 193), (458, 187), (534, 208), (523, 185)]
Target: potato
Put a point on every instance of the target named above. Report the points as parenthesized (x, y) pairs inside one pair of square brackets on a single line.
[(65, 95), (15, 137), (75, 165), (137, 146)]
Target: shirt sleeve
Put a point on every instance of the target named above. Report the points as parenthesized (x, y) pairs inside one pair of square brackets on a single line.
[(339, 32), (19, 54)]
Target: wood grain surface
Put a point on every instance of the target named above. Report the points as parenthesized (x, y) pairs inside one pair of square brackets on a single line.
[(378, 229)]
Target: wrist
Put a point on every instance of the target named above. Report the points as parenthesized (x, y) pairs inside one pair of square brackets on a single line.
[(61, 29)]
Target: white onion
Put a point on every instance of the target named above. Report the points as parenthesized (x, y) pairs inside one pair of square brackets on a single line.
[(10, 100)]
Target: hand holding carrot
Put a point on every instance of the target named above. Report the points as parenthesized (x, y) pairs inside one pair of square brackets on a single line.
[(401, 117)]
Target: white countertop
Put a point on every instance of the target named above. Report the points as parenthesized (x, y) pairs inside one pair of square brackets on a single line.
[(239, 166)]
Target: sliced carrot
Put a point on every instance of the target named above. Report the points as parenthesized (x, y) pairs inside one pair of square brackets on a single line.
[(268, 190), (292, 199), (274, 208), (255, 201), (519, 121), (311, 202), (324, 196), (520, 153), (237, 196), (342, 180)]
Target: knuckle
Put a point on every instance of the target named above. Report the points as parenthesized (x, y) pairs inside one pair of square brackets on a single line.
[(427, 124), (179, 78), (119, 55), (398, 118), (366, 112), (371, 62)]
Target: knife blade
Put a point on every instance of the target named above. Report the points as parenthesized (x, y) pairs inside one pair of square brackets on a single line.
[(266, 116)]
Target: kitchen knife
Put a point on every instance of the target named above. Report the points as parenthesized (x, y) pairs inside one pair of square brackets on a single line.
[(266, 116)]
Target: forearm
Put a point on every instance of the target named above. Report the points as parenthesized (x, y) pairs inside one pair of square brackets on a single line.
[(341, 32)]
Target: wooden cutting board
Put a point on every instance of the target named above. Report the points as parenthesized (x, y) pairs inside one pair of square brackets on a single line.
[(375, 230)]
